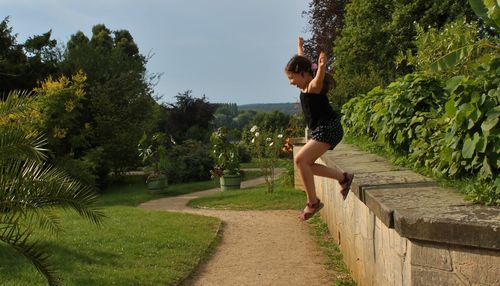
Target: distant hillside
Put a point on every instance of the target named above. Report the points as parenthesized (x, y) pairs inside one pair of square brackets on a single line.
[(287, 108)]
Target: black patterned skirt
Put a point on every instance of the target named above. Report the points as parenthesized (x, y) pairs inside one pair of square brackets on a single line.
[(329, 131)]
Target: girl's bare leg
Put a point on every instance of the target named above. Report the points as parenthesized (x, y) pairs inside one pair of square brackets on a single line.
[(304, 160)]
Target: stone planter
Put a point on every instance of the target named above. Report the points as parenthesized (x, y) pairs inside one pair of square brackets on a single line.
[(230, 182), (157, 185)]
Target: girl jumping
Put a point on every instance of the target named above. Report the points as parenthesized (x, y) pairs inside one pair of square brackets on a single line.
[(324, 123)]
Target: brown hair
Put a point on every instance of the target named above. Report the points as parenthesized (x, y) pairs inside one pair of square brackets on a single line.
[(299, 64)]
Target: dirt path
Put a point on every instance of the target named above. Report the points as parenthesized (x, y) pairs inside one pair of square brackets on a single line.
[(257, 247)]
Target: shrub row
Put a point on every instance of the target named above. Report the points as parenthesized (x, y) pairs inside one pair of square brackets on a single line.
[(449, 126)]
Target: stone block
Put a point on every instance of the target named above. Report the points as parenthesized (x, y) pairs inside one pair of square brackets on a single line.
[(426, 276), (467, 225), (345, 151), (406, 279), (369, 167), (367, 224), (395, 273), (355, 158), (397, 243), (431, 256), (383, 201), (386, 180), (479, 266)]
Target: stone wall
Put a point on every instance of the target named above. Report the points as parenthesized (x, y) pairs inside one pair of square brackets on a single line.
[(397, 227)]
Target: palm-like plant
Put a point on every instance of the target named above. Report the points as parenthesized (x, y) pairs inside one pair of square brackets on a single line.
[(31, 189)]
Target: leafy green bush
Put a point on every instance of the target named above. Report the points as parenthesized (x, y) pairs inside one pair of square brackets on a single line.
[(451, 127), (453, 50), (189, 161), (473, 131)]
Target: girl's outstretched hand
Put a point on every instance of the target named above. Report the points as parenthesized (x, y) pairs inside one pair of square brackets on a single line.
[(322, 59), (300, 48)]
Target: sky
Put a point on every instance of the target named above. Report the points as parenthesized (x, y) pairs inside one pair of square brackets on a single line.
[(231, 51)]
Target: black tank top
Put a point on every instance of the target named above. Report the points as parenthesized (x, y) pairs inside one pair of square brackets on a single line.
[(316, 108)]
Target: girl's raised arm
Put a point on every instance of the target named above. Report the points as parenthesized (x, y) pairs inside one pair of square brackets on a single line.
[(300, 46), (316, 84)]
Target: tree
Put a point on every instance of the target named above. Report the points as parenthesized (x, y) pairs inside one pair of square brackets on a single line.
[(270, 121), (63, 118), (325, 21), (12, 59), (30, 189), (225, 114), (23, 65), (188, 118), (119, 103), (376, 31), (404, 24)]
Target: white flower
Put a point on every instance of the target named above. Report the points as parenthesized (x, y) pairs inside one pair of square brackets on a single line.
[(254, 128), (257, 134), (271, 144), (280, 136), (253, 140), (269, 139)]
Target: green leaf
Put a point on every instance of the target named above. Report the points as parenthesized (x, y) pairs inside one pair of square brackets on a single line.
[(470, 124), (451, 59), (453, 83), (469, 147), (481, 144), (453, 169), (450, 108), (467, 108), (486, 169), (400, 138), (490, 122), (475, 115)]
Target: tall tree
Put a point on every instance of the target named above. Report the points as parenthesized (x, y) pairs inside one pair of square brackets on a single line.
[(23, 65), (118, 93), (12, 60), (188, 118), (325, 20), (376, 31)]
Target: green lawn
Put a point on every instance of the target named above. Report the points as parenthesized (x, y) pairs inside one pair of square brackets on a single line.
[(140, 247), (255, 198), (125, 193), (133, 247)]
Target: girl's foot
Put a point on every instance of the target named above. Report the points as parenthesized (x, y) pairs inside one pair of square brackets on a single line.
[(346, 184), (310, 210)]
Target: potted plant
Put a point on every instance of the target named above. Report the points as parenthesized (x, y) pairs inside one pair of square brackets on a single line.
[(227, 162), (155, 156)]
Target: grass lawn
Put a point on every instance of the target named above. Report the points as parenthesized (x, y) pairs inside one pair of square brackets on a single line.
[(255, 198), (126, 193), (133, 247)]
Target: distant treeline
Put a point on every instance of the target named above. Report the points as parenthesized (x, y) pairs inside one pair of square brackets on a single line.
[(287, 108)]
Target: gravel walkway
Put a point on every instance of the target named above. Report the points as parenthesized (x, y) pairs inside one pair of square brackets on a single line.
[(257, 247)]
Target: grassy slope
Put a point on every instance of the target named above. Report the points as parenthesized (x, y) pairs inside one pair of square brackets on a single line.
[(133, 247)]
